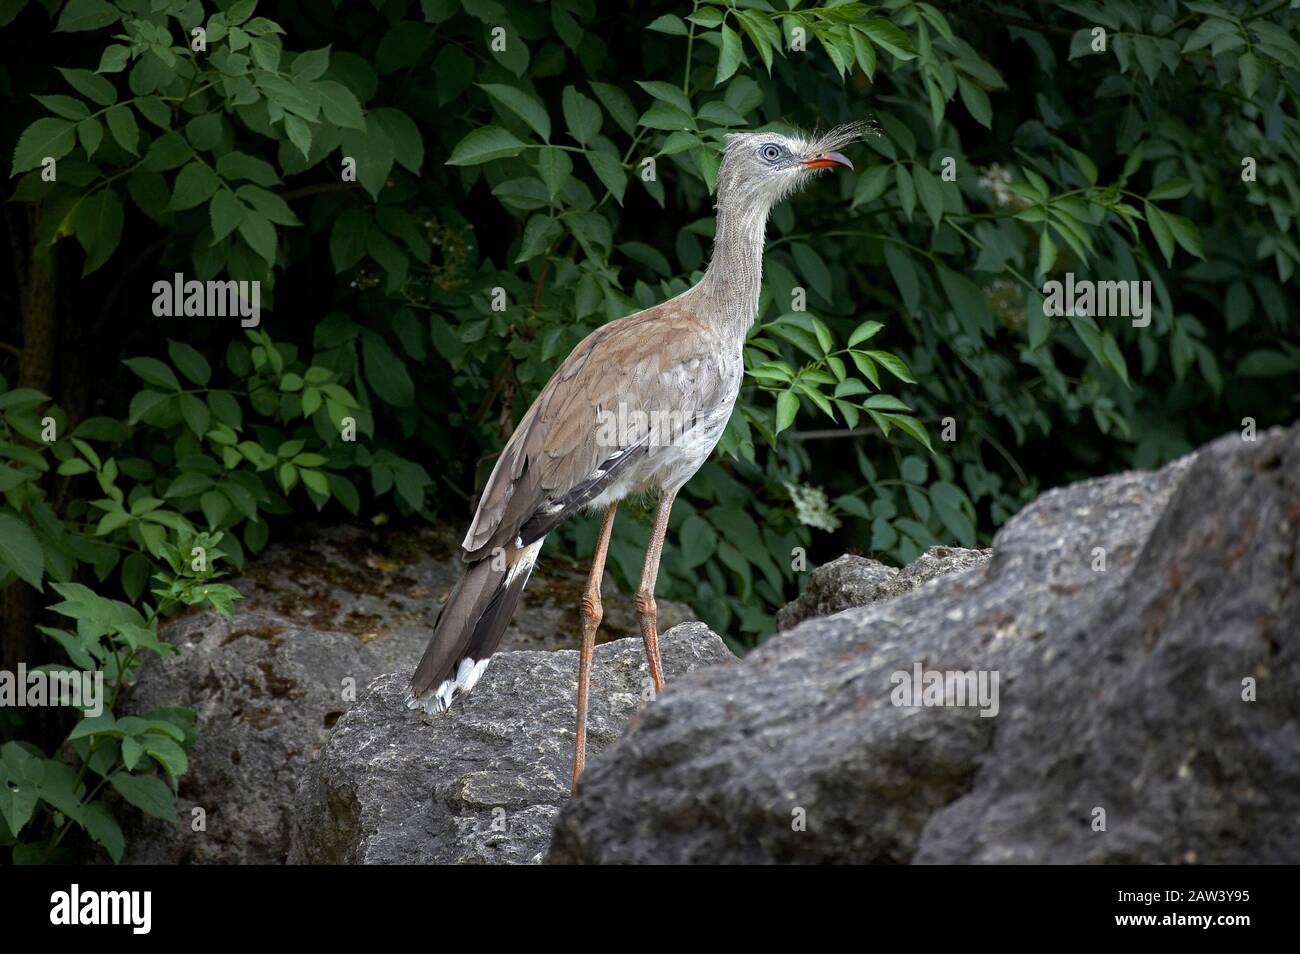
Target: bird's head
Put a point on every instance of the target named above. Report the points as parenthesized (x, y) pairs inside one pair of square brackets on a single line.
[(760, 169)]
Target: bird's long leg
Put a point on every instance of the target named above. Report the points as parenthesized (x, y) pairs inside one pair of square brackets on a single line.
[(591, 616), (645, 593)]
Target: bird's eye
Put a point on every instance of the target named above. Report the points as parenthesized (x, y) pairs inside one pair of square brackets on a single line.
[(771, 152)]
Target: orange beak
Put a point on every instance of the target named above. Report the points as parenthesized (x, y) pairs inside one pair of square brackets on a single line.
[(825, 160)]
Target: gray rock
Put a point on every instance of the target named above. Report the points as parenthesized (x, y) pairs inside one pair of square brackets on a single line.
[(482, 783), (322, 615), (860, 581), (933, 563), (1120, 688), (839, 585)]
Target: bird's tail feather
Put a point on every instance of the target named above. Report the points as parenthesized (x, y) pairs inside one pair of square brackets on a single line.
[(470, 626)]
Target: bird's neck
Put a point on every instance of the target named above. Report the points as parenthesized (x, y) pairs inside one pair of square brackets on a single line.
[(734, 278)]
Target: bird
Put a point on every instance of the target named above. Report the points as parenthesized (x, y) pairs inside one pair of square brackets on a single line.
[(635, 409)]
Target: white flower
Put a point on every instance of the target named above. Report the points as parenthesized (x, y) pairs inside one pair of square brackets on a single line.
[(996, 179), (811, 507)]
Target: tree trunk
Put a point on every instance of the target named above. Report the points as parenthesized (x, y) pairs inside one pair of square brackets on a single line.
[(35, 370)]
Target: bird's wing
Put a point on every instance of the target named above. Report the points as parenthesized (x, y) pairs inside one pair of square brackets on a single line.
[(659, 360)]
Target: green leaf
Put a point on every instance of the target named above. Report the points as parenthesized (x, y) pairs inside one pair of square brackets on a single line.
[(666, 117), (311, 65), (539, 234), (484, 145), (610, 171), (670, 24), (730, 56), (667, 93), (894, 364), (906, 190), (226, 212), (1161, 231), (259, 233), (90, 132), (148, 793), (97, 818), (315, 481), (976, 102), (45, 138), (763, 33), (237, 165), (1252, 73), (864, 331), (122, 124), (99, 227), (194, 185), (204, 132), (81, 15), (88, 726), (114, 59), (132, 752), (592, 231), (1266, 363), (787, 408), (144, 402), (188, 484), (166, 752), (888, 37), (408, 144), (299, 133), (555, 168), (386, 373), (1185, 233), (195, 413), (20, 551), (94, 88), (1046, 253), (1170, 189), (812, 269), (618, 104), (871, 185), (66, 106), (582, 115), (152, 371), (968, 301), (950, 507), (929, 192), (522, 104), (20, 776), (910, 426), (267, 203), (1113, 357), (191, 362), (903, 270), (698, 541), (340, 106)]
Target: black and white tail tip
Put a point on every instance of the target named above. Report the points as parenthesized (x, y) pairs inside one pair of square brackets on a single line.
[(467, 675)]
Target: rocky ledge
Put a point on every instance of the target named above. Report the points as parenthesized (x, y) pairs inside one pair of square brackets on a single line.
[(1133, 672), (482, 783)]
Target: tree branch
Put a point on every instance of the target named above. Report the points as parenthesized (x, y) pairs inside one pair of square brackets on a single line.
[(303, 191)]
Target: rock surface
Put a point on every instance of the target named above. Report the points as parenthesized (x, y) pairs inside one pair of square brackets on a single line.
[(860, 581), (322, 615), (1125, 618), (481, 784)]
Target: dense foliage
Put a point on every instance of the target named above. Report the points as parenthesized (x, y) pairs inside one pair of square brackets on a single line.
[(441, 198)]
